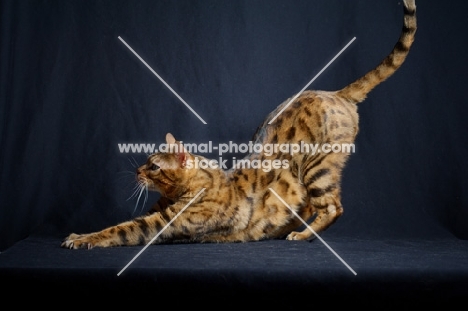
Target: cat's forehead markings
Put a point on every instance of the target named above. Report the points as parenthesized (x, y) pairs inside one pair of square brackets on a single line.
[(153, 158)]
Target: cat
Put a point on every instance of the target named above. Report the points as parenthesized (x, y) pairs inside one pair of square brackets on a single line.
[(243, 204)]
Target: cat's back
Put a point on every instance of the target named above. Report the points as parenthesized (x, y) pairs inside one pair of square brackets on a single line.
[(313, 117)]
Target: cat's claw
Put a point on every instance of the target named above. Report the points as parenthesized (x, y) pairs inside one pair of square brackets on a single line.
[(75, 241)]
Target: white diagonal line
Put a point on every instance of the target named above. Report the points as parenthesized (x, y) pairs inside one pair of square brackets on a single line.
[(159, 233), (313, 79), (313, 231), (162, 80)]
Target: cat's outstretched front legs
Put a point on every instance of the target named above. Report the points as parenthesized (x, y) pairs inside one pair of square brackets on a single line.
[(134, 232), (165, 225), (112, 236)]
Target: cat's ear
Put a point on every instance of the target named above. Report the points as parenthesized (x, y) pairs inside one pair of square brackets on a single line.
[(182, 154), (170, 139)]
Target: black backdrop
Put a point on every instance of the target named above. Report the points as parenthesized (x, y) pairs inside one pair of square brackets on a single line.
[(70, 91)]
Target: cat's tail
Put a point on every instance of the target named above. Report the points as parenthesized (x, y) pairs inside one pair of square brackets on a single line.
[(358, 90)]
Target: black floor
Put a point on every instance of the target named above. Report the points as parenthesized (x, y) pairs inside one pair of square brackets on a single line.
[(358, 271)]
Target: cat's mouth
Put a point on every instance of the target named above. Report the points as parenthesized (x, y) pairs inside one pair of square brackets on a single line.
[(142, 180)]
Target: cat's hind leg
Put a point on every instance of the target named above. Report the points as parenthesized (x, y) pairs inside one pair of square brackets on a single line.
[(323, 189), (326, 213)]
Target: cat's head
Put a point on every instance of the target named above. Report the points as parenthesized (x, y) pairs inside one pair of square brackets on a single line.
[(168, 172)]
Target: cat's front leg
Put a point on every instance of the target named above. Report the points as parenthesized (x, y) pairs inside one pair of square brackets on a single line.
[(138, 231), (75, 241), (168, 225), (134, 232), (90, 240)]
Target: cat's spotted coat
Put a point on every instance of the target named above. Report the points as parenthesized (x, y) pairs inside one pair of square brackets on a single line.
[(237, 205)]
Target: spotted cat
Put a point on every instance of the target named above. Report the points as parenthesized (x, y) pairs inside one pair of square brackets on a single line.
[(244, 204)]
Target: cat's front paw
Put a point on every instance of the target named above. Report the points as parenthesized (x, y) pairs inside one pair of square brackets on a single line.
[(76, 241)]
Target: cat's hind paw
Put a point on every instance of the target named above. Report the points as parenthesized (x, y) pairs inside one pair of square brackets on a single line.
[(299, 236)]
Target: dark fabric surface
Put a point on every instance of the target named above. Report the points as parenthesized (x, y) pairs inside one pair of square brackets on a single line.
[(377, 272)]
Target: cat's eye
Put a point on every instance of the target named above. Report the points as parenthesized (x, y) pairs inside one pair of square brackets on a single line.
[(154, 167)]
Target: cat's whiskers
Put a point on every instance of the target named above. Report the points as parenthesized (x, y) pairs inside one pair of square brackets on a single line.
[(136, 190), (140, 188), (133, 162)]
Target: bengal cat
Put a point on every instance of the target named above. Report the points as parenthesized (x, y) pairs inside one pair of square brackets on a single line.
[(241, 204)]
